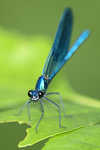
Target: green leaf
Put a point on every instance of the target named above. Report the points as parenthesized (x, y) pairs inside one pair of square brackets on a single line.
[(21, 62), (87, 138)]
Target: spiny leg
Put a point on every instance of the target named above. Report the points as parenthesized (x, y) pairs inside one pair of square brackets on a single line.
[(29, 112), (22, 108), (41, 116), (60, 100), (58, 108)]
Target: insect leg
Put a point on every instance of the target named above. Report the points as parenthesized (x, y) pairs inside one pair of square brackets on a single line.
[(29, 112), (22, 108), (41, 115), (58, 108), (60, 100)]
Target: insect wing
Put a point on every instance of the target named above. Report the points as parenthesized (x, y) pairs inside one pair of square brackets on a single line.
[(78, 42), (60, 46), (75, 46)]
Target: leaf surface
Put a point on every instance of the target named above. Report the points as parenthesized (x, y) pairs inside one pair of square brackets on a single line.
[(21, 62)]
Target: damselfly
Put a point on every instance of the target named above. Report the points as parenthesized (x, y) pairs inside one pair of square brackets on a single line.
[(57, 57)]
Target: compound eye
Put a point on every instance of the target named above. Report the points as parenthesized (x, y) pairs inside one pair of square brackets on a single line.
[(30, 93), (41, 94)]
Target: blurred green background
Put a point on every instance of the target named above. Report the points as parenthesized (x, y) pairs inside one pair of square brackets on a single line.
[(32, 18)]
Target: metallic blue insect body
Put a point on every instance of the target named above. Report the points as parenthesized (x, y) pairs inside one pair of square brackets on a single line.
[(57, 57)]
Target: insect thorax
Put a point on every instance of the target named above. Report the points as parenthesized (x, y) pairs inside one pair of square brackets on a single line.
[(42, 84)]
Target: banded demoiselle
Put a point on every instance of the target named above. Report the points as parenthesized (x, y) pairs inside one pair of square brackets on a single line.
[(57, 57)]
